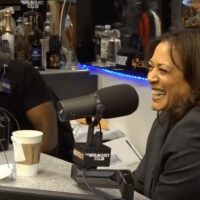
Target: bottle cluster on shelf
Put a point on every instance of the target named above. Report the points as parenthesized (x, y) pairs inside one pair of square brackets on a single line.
[(29, 39), (107, 45)]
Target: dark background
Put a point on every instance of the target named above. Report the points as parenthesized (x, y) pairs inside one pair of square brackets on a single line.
[(101, 12)]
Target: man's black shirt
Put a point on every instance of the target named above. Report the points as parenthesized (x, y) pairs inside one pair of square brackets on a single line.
[(22, 88)]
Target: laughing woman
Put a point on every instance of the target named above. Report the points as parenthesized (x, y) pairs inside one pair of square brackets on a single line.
[(170, 168)]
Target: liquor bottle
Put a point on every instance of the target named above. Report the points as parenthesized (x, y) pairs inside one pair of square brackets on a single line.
[(19, 29), (99, 29), (48, 26), (8, 33), (104, 44), (53, 55), (19, 41), (27, 40), (113, 47), (36, 50)]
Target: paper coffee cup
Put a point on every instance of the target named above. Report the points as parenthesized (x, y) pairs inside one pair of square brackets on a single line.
[(27, 148)]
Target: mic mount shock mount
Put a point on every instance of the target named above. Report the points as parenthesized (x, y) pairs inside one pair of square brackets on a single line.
[(93, 153)]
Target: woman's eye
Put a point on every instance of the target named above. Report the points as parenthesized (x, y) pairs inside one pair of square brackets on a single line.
[(160, 69), (163, 70)]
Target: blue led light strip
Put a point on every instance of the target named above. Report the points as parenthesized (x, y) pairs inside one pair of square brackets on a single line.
[(121, 74)]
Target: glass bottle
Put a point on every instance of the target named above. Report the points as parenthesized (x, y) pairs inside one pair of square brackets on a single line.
[(8, 32), (36, 50), (104, 44), (27, 41), (113, 47), (99, 29), (19, 41), (47, 26), (67, 50), (53, 55)]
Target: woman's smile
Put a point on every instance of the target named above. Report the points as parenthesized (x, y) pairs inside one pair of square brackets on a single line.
[(157, 94)]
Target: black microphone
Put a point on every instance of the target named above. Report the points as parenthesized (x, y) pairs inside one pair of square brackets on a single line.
[(118, 100)]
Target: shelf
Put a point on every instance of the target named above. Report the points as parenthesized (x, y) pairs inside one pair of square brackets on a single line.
[(138, 73)]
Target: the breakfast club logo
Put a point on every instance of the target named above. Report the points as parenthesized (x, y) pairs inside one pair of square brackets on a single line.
[(98, 156)]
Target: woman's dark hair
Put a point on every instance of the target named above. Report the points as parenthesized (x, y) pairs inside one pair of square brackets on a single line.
[(187, 44)]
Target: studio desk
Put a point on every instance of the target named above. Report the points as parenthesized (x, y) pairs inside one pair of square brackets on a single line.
[(70, 83), (52, 182)]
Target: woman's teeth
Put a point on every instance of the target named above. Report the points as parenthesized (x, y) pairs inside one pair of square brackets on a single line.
[(158, 92)]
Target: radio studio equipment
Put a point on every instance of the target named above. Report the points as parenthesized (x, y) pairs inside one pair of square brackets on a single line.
[(110, 102)]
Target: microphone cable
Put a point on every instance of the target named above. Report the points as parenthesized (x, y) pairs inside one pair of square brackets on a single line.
[(3, 139), (7, 114), (90, 188), (11, 115), (98, 196)]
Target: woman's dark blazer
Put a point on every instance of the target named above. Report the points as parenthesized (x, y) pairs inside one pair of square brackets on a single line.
[(170, 168)]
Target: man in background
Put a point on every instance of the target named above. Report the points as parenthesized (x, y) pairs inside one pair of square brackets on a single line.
[(25, 97)]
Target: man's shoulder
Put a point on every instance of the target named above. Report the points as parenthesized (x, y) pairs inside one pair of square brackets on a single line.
[(19, 66), (20, 70)]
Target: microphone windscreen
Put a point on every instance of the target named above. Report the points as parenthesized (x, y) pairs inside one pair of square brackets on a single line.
[(119, 100)]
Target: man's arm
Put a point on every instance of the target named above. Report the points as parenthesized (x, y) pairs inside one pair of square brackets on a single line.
[(43, 118)]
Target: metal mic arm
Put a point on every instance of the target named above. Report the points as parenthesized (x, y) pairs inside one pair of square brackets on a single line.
[(119, 179)]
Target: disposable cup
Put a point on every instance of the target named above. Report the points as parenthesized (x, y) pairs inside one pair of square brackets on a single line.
[(27, 149)]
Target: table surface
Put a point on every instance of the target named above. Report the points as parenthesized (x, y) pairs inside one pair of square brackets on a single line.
[(54, 175)]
